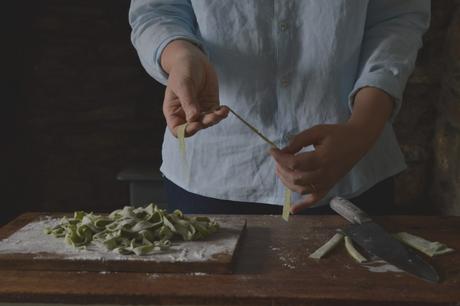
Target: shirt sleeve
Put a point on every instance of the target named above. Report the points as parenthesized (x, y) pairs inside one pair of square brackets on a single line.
[(154, 24), (392, 38)]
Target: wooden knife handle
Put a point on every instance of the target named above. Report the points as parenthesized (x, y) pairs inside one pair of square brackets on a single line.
[(349, 211)]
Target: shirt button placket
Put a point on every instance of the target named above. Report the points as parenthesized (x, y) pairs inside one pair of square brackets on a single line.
[(284, 27), (284, 13)]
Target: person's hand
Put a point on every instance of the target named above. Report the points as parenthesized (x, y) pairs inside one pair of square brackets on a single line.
[(192, 93), (338, 147)]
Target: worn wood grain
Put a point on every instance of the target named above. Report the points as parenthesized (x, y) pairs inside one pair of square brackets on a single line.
[(272, 268)]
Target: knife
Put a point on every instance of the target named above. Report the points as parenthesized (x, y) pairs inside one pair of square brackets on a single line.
[(376, 241)]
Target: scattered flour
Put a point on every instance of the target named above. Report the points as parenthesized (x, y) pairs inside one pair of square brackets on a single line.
[(288, 266), (198, 273), (31, 239), (288, 262)]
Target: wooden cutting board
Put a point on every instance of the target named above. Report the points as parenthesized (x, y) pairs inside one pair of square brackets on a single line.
[(24, 246)]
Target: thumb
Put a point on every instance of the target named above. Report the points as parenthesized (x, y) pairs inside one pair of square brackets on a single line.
[(186, 93), (305, 138), (306, 202)]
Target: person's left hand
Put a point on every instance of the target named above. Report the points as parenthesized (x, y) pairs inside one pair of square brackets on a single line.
[(337, 148)]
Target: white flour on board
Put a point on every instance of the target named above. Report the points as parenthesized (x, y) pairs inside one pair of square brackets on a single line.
[(31, 239)]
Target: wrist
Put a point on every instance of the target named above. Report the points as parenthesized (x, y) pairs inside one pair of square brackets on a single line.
[(177, 51)]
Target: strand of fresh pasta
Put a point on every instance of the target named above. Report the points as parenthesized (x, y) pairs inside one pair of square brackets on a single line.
[(181, 138), (287, 191)]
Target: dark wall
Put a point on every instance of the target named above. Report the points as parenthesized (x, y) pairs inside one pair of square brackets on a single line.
[(14, 35), (79, 107), (415, 124), (84, 107)]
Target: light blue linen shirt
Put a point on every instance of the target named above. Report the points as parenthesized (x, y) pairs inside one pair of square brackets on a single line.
[(285, 66)]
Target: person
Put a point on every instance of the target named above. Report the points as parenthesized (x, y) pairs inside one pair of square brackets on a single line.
[(322, 79)]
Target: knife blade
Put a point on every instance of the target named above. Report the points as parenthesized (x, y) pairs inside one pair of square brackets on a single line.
[(376, 241)]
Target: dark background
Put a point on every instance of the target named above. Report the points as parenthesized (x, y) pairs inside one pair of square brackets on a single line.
[(77, 107)]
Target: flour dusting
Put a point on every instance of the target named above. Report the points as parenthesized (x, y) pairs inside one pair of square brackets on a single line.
[(31, 239)]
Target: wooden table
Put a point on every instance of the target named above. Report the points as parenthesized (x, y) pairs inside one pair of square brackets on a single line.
[(272, 268)]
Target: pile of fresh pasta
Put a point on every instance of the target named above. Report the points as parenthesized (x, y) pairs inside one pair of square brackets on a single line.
[(141, 231)]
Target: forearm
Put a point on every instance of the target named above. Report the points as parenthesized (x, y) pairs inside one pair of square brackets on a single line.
[(155, 24), (372, 108), (392, 37)]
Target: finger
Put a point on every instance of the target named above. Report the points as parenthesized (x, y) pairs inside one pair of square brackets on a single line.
[(211, 119), (174, 120), (307, 201), (214, 114), (301, 178), (288, 184), (185, 91), (305, 161), (285, 159), (305, 138), (193, 128), (222, 111), (172, 110), (190, 130)]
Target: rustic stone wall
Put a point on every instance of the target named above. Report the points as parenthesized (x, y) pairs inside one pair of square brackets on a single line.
[(446, 186), (416, 122), (86, 109)]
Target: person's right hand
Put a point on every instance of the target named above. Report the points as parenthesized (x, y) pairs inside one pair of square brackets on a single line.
[(192, 92)]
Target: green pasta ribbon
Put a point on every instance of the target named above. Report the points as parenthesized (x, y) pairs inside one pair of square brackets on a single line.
[(181, 137), (352, 251), (141, 231), (430, 248), (287, 192), (333, 242), (286, 204), (181, 130), (327, 247)]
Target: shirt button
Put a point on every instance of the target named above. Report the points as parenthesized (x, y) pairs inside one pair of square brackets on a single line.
[(284, 82), (283, 26)]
